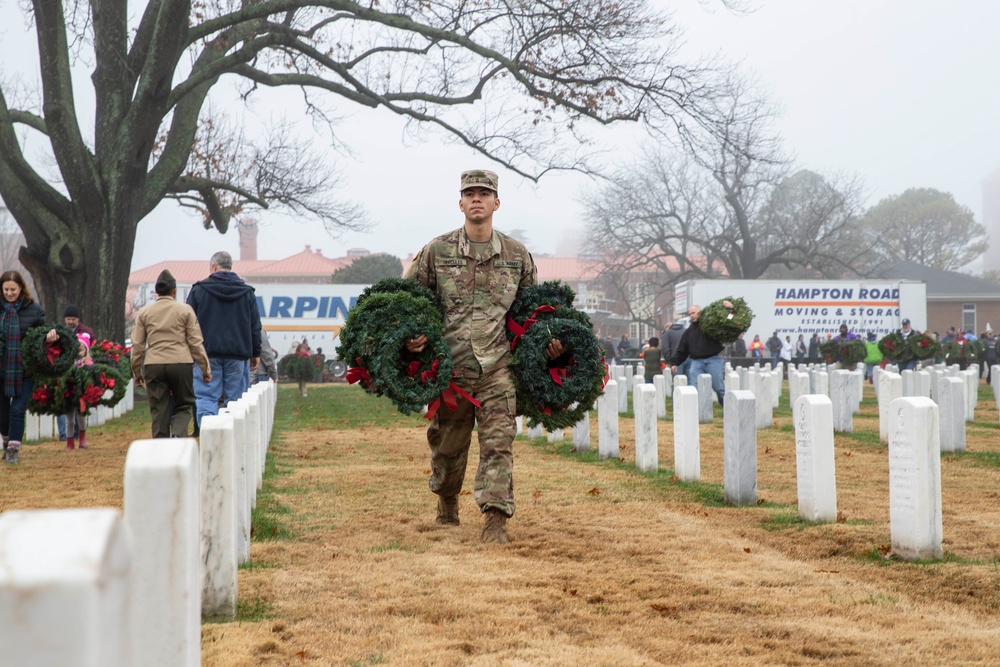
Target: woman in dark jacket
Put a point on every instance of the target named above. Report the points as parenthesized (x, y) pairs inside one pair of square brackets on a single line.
[(19, 313)]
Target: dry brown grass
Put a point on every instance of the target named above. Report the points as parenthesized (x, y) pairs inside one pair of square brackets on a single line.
[(607, 566)]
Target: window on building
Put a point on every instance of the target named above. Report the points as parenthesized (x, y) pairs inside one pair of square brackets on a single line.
[(969, 317)]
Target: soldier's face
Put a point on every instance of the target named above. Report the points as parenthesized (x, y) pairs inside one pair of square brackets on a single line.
[(478, 204)]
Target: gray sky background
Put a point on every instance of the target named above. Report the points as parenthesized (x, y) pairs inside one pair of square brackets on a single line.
[(902, 93)]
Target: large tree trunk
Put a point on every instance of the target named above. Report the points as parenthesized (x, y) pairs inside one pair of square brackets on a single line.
[(89, 269)]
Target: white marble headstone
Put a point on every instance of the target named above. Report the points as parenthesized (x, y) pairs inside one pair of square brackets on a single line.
[(607, 422), (951, 414), (842, 395), (739, 445), (891, 388), (705, 398), (687, 447), (218, 517), (814, 458), (646, 452), (581, 433), (915, 479)]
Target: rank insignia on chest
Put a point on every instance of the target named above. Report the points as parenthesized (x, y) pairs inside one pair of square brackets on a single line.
[(507, 264)]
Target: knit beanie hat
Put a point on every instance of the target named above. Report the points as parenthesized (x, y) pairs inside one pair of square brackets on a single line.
[(72, 310)]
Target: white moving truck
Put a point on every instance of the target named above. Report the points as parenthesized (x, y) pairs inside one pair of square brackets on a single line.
[(793, 307)]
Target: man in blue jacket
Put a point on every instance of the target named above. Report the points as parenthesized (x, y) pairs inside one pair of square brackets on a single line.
[(230, 324)]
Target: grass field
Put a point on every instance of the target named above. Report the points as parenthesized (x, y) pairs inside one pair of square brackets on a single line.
[(607, 566)]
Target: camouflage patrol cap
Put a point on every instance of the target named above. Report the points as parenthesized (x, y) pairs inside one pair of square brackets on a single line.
[(479, 178)]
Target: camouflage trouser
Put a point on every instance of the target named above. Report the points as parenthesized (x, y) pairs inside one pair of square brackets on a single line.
[(450, 436)]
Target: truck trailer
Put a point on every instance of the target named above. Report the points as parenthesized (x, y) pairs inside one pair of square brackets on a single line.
[(792, 307)]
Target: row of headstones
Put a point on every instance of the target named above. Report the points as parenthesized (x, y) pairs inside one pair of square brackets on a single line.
[(914, 456), (42, 427), (99, 588)]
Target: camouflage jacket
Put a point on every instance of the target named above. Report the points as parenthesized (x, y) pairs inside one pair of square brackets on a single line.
[(474, 295)]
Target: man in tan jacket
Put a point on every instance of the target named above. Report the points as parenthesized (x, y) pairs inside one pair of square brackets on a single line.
[(166, 342)]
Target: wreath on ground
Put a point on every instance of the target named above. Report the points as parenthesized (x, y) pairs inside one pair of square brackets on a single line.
[(725, 324), (847, 353), (48, 360), (558, 392), (373, 342), (924, 346), (895, 348)]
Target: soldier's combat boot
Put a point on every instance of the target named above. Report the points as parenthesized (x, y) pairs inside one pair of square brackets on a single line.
[(495, 527), (448, 510)]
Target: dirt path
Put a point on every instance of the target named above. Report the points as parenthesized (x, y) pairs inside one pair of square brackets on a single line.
[(607, 566)]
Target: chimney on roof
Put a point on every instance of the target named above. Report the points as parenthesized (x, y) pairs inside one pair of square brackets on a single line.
[(248, 239)]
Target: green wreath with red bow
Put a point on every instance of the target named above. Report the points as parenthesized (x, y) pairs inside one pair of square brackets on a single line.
[(373, 341), (554, 392), (43, 359)]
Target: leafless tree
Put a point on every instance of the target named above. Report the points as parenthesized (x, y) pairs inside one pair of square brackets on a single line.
[(727, 206), (524, 84)]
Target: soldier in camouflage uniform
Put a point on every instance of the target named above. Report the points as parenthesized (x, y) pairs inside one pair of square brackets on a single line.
[(475, 272)]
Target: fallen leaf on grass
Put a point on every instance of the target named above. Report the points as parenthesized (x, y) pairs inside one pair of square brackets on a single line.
[(663, 609), (427, 472), (885, 551), (828, 571), (571, 591), (594, 491), (746, 549), (848, 454), (841, 517), (767, 450), (301, 655), (537, 494), (465, 492)]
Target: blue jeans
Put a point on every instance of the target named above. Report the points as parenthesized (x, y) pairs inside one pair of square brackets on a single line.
[(714, 366), (12, 409), (61, 425), (910, 365), (775, 358), (230, 378)]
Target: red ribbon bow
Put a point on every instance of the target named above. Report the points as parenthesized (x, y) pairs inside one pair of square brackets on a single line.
[(54, 353), (358, 373), (450, 400), (521, 330)]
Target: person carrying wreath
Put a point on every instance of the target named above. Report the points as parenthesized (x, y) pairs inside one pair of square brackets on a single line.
[(704, 351), (475, 272), (905, 332), (20, 313)]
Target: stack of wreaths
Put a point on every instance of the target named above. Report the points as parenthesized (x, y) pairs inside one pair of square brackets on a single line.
[(847, 353), (385, 317), (554, 392), (897, 349), (60, 384)]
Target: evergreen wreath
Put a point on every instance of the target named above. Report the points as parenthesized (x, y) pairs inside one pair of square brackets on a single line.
[(411, 380), (551, 293), (972, 350), (895, 348), (373, 343), (548, 389), (725, 324), (924, 346), (951, 352), (48, 399), (113, 354), (110, 379), (390, 285), (847, 353), (49, 360), (298, 367)]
